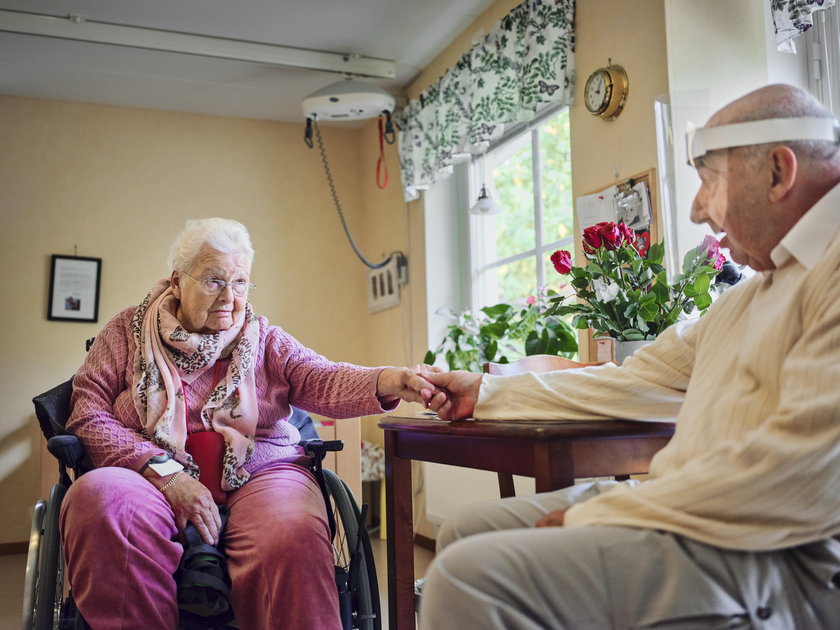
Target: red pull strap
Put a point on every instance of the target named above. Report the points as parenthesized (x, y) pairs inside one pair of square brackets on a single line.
[(381, 166)]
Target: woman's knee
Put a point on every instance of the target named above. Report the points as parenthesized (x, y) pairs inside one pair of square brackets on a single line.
[(115, 498)]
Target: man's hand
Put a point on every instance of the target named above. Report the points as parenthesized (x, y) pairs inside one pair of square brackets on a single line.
[(459, 395), (190, 501), (552, 519), (410, 384)]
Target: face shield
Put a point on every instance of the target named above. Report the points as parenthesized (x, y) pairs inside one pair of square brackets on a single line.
[(704, 139)]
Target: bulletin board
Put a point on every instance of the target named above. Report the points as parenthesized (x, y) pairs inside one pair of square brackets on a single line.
[(616, 203)]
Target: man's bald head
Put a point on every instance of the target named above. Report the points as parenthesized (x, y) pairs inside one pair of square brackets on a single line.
[(780, 101)]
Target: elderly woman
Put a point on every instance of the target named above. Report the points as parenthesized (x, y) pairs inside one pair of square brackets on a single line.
[(193, 357)]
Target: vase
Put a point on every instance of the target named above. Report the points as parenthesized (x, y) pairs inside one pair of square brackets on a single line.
[(624, 349)]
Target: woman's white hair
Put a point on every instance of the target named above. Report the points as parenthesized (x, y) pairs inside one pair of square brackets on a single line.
[(224, 235)]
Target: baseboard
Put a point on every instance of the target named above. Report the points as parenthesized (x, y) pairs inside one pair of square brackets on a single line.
[(424, 542), (8, 549)]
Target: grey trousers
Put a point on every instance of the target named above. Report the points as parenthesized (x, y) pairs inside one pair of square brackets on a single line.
[(494, 570)]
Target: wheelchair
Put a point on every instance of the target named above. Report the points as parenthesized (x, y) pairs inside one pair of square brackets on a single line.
[(49, 605)]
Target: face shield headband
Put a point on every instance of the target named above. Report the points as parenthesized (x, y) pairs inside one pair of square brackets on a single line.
[(700, 141)]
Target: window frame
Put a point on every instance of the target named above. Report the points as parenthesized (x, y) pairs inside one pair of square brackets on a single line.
[(482, 228), (822, 49)]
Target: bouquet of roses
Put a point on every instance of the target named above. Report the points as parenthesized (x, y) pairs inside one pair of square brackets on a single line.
[(625, 295)]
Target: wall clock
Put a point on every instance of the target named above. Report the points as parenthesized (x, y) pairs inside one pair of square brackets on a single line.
[(606, 92)]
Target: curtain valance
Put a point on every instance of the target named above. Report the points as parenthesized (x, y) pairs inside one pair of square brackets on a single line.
[(793, 17), (525, 61)]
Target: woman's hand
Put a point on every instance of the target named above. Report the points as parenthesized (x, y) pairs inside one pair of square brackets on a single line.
[(410, 384), (190, 501)]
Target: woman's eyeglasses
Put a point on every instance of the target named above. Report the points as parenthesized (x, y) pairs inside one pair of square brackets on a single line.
[(214, 286)]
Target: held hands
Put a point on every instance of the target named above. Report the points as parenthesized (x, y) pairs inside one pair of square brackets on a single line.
[(452, 395), (410, 384), (456, 393), (191, 501)]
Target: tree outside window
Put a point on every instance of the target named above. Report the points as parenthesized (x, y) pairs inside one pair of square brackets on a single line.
[(530, 176)]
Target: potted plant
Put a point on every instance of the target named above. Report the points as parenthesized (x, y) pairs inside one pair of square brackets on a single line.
[(626, 296), (504, 333)]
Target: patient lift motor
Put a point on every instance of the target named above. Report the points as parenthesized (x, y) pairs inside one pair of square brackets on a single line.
[(351, 100)]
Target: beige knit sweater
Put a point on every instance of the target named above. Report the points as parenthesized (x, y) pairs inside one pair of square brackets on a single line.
[(755, 388)]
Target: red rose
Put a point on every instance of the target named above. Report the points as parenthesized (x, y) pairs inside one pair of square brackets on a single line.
[(562, 261), (711, 246), (591, 238), (610, 235), (628, 236), (718, 264)]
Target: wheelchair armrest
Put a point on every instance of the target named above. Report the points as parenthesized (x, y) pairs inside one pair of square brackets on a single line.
[(67, 449), (320, 447)]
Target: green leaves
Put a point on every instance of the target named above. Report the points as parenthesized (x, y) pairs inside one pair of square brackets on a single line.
[(504, 332)]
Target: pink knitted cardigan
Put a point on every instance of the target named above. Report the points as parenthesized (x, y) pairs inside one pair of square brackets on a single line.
[(287, 373)]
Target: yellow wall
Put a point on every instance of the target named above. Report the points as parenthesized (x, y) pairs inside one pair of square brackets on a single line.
[(633, 36), (118, 183)]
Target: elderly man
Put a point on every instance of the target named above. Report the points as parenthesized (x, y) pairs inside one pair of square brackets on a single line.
[(735, 526)]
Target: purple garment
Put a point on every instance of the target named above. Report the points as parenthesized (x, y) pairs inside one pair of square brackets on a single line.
[(119, 532), (287, 373)]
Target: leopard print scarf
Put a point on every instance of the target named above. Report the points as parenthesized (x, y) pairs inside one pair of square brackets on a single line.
[(168, 355)]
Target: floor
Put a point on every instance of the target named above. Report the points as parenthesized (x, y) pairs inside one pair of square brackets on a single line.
[(13, 568)]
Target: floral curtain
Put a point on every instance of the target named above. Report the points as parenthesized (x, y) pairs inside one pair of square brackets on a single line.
[(525, 61), (792, 17)]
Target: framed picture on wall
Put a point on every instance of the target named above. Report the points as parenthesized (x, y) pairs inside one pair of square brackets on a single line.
[(74, 288)]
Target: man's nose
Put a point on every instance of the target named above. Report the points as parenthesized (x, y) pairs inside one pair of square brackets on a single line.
[(697, 210)]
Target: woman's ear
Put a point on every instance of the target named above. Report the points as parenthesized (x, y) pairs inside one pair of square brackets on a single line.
[(175, 282), (783, 166)]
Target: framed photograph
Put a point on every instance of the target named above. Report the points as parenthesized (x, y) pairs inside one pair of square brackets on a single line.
[(74, 288)]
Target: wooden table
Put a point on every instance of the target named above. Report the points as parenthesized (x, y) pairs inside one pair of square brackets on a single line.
[(555, 453)]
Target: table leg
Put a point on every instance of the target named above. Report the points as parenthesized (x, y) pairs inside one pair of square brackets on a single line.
[(553, 466), (400, 543)]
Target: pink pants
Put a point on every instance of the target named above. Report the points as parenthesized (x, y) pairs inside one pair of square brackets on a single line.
[(119, 537)]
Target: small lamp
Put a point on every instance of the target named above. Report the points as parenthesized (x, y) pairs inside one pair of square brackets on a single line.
[(485, 203)]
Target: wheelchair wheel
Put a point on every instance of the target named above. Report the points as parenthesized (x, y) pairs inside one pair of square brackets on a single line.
[(31, 575), (49, 581), (352, 537)]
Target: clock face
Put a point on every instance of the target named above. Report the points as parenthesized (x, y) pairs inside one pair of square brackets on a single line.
[(605, 92), (595, 92)]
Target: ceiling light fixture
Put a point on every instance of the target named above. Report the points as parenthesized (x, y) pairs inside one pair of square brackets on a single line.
[(77, 27)]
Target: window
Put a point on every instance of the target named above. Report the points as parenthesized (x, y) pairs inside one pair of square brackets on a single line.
[(528, 172), (822, 45)]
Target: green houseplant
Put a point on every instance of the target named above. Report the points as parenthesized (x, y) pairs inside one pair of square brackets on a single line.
[(504, 333)]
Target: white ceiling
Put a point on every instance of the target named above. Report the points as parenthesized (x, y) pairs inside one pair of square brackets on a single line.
[(410, 33)]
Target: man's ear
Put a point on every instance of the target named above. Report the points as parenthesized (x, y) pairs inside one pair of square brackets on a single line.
[(784, 167), (175, 282)]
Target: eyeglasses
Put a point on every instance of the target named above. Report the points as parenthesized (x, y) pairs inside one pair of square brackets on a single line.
[(214, 286)]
